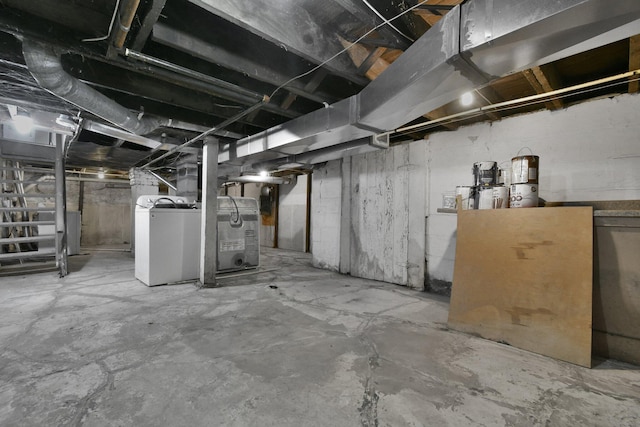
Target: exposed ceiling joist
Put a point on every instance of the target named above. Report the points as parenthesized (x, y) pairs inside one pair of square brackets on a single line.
[(634, 61), (288, 25), (367, 17), (233, 60), (540, 81), (148, 22)]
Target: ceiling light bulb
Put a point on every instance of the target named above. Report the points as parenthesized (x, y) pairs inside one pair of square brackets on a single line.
[(264, 173), (23, 124), (101, 175), (466, 99)]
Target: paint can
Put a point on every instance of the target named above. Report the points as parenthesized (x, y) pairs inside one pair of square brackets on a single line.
[(524, 169), (485, 173), (492, 197), (500, 195), (467, 195), (524, 196)]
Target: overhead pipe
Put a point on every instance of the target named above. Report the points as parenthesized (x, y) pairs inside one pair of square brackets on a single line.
[(558, 93), (223, 89), (125, 18), (214, 129), (45, 66), (476, 43)]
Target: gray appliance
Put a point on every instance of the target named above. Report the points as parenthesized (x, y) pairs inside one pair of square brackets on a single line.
[(238, 233), (168, 237)]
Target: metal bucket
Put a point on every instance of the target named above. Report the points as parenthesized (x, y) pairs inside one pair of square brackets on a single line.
[(524, 169), (500, 195), (484, 197), (485, 173), (492, 197), (467, 194), (524, 196)]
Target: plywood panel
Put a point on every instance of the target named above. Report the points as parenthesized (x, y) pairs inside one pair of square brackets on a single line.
[(524, 277)]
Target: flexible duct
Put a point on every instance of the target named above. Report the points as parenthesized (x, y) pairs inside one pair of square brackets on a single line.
[(46, 68)]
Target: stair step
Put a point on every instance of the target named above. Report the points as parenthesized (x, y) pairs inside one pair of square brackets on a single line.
[(31, 254), (17, 181), (19, 209), (33, 195), (31, 239), (26, 223), (30, 170)]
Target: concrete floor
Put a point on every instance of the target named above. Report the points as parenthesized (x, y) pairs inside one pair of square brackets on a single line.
[(291, 346)]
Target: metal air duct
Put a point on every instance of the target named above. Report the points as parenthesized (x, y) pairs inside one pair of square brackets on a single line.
[(45, 66), (475, 43)]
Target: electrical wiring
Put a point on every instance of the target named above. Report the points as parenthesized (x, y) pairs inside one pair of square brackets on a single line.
[(386, 21), (238, 217), (358, 40), (113, 19)]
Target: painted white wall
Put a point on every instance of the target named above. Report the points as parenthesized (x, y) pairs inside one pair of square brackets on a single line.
[(590, 151), (292, 214), (386, 193), (326, 202)]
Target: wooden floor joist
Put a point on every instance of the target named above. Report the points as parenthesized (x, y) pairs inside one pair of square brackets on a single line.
[(543, 81), (634, 61)]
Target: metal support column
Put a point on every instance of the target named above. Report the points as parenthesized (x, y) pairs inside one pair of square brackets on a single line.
[(209, 221), (61, 208)]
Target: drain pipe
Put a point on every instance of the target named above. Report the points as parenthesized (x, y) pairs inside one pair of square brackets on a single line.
[(46, 68)]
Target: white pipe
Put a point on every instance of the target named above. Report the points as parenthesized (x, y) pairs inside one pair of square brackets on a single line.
[(549, 94)]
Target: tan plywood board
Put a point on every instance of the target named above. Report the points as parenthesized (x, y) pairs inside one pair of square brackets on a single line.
[(524, 277)]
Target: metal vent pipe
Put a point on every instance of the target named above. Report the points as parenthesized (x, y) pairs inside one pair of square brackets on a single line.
[(45, 66)]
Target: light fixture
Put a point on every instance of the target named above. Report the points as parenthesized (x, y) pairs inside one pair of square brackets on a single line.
[(466, 99), (264, 173), (23, 123), (101, 174)]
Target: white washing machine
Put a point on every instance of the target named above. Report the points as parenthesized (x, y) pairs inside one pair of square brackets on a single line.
[(167, 247)]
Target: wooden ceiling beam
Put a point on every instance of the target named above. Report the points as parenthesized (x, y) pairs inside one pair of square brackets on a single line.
[(543, 81), (634, 61), (369, 62), (147, 24), (432, 16), (437, 114)]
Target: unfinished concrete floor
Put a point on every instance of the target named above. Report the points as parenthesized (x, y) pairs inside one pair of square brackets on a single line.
[(291, 346)]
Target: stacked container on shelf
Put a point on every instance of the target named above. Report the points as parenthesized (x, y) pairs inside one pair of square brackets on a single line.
[(524, 181)]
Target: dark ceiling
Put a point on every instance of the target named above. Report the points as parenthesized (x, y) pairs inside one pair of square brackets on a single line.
[(201, 62)]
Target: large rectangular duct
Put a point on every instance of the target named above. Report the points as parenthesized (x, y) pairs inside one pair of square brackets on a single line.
[(472, 45)]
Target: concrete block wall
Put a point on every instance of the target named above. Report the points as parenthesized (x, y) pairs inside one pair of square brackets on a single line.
[(106, 215), (326, 204), (589, 151), (292, 215), (380, 214)]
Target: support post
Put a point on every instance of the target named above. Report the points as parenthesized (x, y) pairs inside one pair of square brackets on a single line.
[(209, 220), (61, 208)]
